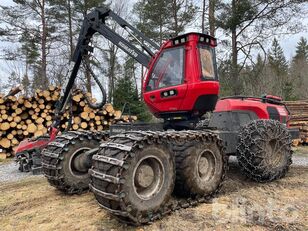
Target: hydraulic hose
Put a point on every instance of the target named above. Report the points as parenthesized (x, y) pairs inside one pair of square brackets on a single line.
[(102, 89)]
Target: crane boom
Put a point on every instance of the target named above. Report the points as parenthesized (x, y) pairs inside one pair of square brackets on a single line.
[(95, 22)]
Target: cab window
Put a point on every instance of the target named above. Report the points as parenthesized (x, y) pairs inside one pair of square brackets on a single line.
[(168, 70), (207, 65)]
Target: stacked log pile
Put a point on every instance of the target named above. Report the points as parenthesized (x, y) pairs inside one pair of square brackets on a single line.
[(299, 119), (23, 117)]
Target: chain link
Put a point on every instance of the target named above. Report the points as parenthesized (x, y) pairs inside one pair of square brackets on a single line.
[(137, 139)]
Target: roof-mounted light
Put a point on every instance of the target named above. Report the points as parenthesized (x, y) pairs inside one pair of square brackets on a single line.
[(208, 40), (179, 40)]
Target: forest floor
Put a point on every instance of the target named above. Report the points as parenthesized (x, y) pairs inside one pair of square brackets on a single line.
[(31, 204)]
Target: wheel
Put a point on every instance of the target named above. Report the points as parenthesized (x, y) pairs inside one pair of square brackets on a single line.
[(264, 150), (141, 187), (65, 164), (200, 167), (150, 179), (24, 160)]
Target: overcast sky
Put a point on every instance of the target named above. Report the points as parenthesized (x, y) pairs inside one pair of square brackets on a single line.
[(288, 43)]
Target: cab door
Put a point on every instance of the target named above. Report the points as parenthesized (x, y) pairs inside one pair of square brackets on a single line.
[(166, 87)]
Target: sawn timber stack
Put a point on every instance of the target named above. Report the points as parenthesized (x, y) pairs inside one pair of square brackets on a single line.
[(299, 119)]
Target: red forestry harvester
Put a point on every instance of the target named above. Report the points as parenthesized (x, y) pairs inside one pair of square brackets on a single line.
[(134, 169)]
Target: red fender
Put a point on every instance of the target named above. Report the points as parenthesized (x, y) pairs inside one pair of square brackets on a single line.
[(39, 143)]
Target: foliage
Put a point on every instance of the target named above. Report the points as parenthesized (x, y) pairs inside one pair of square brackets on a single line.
[(299, 69), (126, 94), (46, 32), (160, 19), (248, 24)]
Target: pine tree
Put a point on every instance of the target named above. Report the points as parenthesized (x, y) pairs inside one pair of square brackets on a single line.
[(225, 78), (30, 53), (301, 50), (181, 14), (231, 18), (254, 80), (154, 19), (279, 68), (26, 84), (277, 59), (299, 69), (161, 19), (126, 93), (32, 22), (248, 24)]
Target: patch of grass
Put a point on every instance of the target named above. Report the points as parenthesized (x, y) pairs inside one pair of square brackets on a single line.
[(301, 150), (7, 160)]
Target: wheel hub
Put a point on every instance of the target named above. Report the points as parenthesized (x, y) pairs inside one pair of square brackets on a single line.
[(145, 176), (78, 162), (203, 166), (273, 153), (148, 177), (206, 165)]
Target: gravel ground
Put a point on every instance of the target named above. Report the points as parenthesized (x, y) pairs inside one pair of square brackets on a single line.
[(300, 161), (296, 160), (9, 171)]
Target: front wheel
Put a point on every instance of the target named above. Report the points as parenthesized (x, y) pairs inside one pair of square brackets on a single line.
[(133, 177), (65, 163), (264, 150)]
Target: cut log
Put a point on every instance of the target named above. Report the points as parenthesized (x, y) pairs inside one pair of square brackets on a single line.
[(32, 128), (5, 126), (84, 115), (83, 125), (5, 143), (2, 155)]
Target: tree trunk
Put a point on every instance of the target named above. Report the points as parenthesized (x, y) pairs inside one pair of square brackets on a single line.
[(234, 73), (175, 17), (44, 81), (212, 4), (70, 28), (160, 34), (203, 17), (135, 78)]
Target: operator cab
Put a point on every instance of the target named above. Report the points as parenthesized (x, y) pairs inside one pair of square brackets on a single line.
[(182, 82)]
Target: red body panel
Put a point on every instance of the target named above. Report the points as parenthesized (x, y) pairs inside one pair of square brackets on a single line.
[(189, 91), (28, 144), (251, 104)]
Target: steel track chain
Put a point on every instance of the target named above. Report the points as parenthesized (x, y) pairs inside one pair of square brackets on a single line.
[(253, 135), (110, 191), (53, 155)]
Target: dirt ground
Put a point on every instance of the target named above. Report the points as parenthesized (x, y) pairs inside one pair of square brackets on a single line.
[(31, 204)]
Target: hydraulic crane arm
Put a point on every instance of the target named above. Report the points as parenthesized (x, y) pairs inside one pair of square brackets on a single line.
[(95, 22)]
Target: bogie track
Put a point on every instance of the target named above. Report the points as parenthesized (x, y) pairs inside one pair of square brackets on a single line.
[(118, 165), (58, 157)]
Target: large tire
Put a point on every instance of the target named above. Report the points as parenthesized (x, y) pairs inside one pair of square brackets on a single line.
[(264, 150), (58, 160), (133, 185), (201, 166)]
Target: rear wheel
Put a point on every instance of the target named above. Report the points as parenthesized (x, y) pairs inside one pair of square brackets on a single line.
[(200, 167), (24, 161), (264, 150)]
